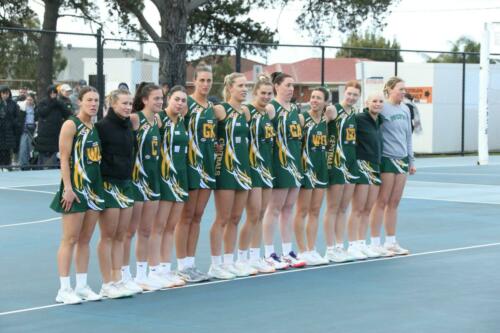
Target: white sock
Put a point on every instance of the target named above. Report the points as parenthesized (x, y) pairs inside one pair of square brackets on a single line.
[(390, 239), (375, 241), (81, 280), (154, 269), (126, 275), (142, 267), (166, 267), (287, 248), (228, 258), (268, 249), (242, 255), (330, 248), (339, 246), (182, 264), (255, 253), (190, 261), (65, 282), (216, 260)]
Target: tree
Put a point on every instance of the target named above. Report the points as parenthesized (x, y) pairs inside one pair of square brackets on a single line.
[(220, 22), (190, 21), (20, 50), (370, 40), (463, 44), (84, 9)]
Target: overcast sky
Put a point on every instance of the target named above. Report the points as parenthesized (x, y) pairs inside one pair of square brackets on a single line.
[(416, 24)]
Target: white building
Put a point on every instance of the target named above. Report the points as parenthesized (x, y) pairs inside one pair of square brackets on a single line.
[(441, 112)]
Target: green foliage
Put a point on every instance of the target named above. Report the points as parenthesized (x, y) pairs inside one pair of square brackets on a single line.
[(463, 44), (369, 40)]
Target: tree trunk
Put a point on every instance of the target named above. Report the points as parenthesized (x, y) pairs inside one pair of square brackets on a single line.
[(174, 22), (46, 47)]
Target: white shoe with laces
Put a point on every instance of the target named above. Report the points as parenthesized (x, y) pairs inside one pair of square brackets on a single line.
[(367, 251), (244, 266), (262, 266), (237, 270), (355, 253), (218, 272), (147, 284), (67, 296), (131, 285), (111, 290), (317, 258), (87, 294), (123, 289), (159, 279), (396, 249), (176, 280), (336, 255)]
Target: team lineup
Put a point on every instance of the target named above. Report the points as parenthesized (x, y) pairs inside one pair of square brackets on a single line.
[(148, 171)]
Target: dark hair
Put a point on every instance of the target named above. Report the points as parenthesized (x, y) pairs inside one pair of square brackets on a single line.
[(279, 77), (409, 96), (326, 93), (85, 90), (143, 91), (175, 89), (33, 96)]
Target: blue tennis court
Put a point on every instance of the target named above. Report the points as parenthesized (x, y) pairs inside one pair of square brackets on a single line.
[(449, 219)]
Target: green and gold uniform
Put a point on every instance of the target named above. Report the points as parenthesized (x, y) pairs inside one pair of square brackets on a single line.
[(233, 166), (342, 164), (287, 165), (173, 167), (85, 171), (146, 172), (261, 149), (368, 148), (314, 152), (200, 123)]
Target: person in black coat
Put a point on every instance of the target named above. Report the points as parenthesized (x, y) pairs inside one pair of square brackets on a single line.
[(9, 111), (51, 115)]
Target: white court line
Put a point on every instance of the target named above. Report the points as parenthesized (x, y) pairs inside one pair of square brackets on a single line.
[(450, 200), (457, 174), (284, 272), (25, 190), (32, 222), (35, 185), (448, 184), (451, 165)]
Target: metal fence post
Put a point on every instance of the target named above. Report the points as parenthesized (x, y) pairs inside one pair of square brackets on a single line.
[(100, 72), (322, 65), (462, 147), (396, 55), (238, 56)]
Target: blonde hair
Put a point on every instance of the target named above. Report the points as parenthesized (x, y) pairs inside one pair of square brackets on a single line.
[(201, 67), (113, 96), (262, 80), (390, 84), (228, 83)]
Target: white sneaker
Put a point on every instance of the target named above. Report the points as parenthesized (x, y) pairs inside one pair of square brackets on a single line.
[(317, 259), (176, 280), (147, 284), (246, 267), (367, 251), (262, 266), (336, 255), (238, 271), (120, 285), (110, 290), (274, 261), (87, 294), (396, 249), (355, 253), (293, 261), (159, 279), (131, 285), (67, 296), (218, 272)]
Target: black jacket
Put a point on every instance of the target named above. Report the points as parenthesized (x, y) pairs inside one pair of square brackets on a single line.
[(9, 131), (51, 116), (368, 138), (117, 144)]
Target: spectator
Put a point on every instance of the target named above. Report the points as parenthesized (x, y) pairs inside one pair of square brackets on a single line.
[(74, 96), (23, 93), (27, 124), (51, 115), (416, 125), (123, 86), (8, 126), (64, 93)]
